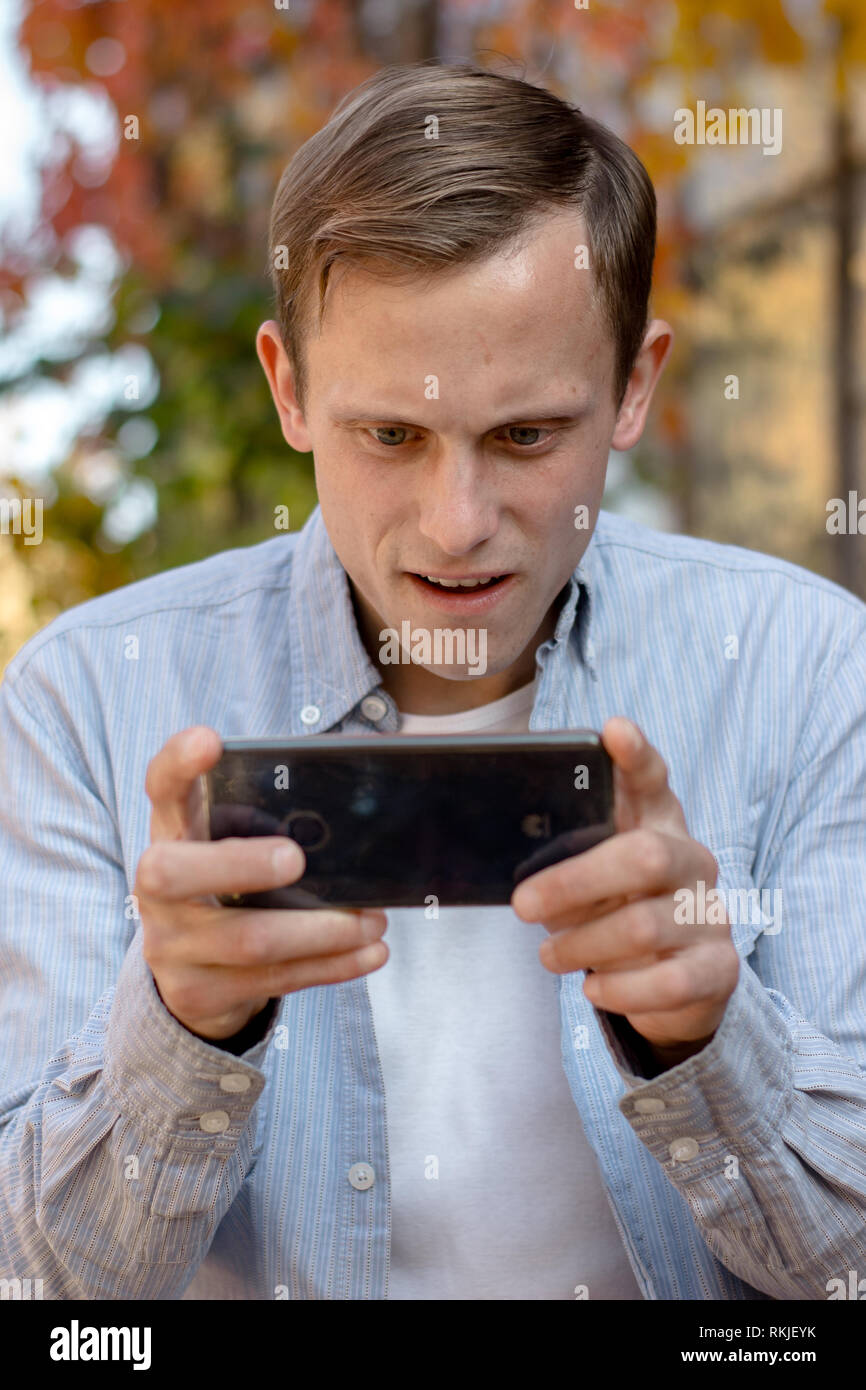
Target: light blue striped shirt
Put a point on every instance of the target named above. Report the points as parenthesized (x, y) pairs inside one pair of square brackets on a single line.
[(740, 1173)]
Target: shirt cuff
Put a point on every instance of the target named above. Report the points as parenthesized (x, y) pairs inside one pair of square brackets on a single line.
[(169, 1081), (729, 1098)]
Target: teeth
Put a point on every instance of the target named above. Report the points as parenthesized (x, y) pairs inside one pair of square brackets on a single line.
[(457, 583)]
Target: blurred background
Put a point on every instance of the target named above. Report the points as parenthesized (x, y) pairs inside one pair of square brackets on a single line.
[(142, 142)]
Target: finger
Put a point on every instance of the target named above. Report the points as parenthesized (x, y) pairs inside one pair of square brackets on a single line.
[(643, 862), (175, 871), (327, 970), (263, 939), (172, 776), (640, 763), (220, 989), (688, 980), (638, 932), (578, 915), (641, 787)]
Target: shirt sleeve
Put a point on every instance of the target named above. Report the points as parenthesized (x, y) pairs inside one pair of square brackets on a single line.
[(764, 1130), (124, 1138)]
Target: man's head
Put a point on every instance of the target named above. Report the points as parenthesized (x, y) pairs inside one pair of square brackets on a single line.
[(462, 337)]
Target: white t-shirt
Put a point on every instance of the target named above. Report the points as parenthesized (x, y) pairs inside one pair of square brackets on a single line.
[(496, 1193)]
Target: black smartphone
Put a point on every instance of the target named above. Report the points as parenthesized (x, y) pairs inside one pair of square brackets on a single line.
[(399, 821)]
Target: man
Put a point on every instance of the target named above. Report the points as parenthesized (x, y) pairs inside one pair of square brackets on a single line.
[(625, 1085)]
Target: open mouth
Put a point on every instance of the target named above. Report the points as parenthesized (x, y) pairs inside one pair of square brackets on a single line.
[(460, 586)]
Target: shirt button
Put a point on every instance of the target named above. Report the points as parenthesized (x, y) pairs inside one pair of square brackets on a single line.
[(590, 651), (374, 708), (310, 714), (214, 1121), (234, 1081), (683, 1149), (649, 1105), (361, 1175)]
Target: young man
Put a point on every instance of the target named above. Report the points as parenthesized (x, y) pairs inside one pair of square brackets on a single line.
[(625, 1085)]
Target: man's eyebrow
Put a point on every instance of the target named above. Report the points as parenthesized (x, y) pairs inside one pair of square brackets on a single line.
[(355, 417), (556, 415)]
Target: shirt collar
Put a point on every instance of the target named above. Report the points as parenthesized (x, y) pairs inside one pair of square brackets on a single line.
[(575, 617), (330, 671)]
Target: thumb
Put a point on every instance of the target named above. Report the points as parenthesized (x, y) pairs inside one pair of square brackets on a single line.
[(642, 794)]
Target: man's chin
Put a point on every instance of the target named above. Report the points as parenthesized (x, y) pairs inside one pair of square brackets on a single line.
[(458, 653)]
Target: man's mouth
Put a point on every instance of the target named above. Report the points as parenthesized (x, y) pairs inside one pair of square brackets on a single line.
[(463, 593), (465, 584)]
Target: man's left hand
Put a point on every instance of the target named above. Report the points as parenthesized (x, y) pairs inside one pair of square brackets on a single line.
[(610, 911)]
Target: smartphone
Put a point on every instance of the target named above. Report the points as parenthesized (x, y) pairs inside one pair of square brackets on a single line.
[(399, 821)]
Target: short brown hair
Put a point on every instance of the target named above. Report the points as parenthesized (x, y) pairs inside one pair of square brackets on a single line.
[(369, 186)]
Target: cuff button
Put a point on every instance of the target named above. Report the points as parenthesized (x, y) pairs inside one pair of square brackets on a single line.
[(234, 1081), (214, 1121), (681, 1150)]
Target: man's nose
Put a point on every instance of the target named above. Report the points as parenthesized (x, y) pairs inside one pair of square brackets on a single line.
[(458, 507)]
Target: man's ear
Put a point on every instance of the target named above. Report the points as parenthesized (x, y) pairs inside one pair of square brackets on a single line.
[(644, 378), (281, 380)]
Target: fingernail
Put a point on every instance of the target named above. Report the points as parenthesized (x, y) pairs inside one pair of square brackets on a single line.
[(373, 924), (285, 859), (196, 743), (529, 904)]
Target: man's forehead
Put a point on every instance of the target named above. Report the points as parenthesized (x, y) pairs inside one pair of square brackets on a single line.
[(520, 331), (547, 260)]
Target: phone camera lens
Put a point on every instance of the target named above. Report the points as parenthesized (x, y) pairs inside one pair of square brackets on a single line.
[(308, 829)]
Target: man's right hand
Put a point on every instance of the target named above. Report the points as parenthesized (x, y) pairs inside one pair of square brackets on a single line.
[(217, 967)]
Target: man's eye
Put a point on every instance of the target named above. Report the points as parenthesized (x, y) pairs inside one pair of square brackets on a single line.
[(524, 430), (390, 434)]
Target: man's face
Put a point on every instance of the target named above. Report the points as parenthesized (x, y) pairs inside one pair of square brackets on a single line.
[(457, 422)]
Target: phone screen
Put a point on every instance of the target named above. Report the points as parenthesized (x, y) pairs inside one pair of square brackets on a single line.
[(401, 822)]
